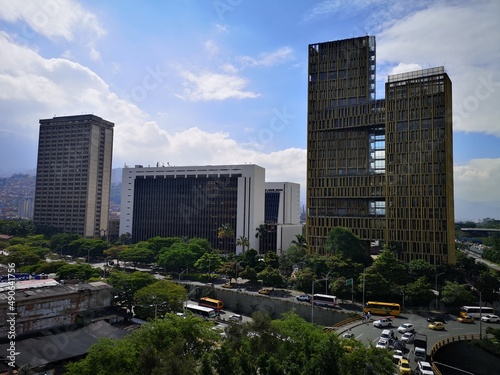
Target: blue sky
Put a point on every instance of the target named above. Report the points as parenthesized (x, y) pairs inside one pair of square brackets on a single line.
[(193, 82)]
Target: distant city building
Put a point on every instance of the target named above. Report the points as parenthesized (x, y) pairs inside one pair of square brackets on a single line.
[(193, 201), (381, 168), (25, 208), (282, 216), (74, 174)]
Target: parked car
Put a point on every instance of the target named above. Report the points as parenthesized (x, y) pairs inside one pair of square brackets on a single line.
[(425, 368), (406, 327), (348, 335), (436, 318), (384, 322), (404, 366), (382, 344), (304, 297), (227, 286), (490, 318), (408, 337), (436, 326), (466, 319)]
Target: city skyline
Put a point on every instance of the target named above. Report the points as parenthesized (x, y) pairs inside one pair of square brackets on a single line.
[(223, 82)]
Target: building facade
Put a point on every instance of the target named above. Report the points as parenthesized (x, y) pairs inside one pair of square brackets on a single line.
[(193, 201), (74, 174), (282, 217), (381, 168)]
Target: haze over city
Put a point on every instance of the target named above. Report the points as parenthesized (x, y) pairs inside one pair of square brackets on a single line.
[(225, 82)]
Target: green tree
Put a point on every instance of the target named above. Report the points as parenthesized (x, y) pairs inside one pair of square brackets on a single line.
[(342, 241), (209, 262), (179, 256), (418, 268), (455, 294), (81, 272), (392, 269), (243, 242), (272, 277), (136, 254), (125, 285), (419, 292), (225, 231), (160, 298), (300, 242)]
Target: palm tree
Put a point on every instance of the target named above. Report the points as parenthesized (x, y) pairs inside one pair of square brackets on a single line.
[(243, 242), (261, 231), (300, 241), (225, 231)]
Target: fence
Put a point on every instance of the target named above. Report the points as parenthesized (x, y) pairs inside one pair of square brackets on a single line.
[(447, 341)]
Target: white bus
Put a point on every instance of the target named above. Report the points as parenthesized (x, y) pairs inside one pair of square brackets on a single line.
[(474, 311), (202, 311), (324, 300)]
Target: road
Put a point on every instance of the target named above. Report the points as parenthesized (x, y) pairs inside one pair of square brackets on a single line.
[(367, 333)]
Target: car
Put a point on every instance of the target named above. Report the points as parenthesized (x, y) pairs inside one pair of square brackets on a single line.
[(490, 318), (236, 318), (436, 318), (408, 337), (265, 291), (397, 355), (436, 326), (466, 319), (399, 345), (406, 327), (304, 297), (384, 322), (404, 366), (382, 344), (227, 286), (425, 368), (348, 335), (388, 334)]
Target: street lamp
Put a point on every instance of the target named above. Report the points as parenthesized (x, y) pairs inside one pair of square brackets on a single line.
[(326, 283), (480, 312), (436, 287)]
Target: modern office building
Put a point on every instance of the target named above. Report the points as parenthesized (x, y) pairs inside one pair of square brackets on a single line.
[(193, 201), (282, 216), (381, 168), (25, 208), (74, 174)]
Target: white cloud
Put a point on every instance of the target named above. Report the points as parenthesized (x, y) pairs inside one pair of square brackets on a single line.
[(404, 68), (477, 180), (229, 68), (268, 59), (214, 86), (461, 37), (53, 19), (211, 48), (221, 28)]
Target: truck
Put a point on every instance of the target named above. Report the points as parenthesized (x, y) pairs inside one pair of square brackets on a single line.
[(420, 347)]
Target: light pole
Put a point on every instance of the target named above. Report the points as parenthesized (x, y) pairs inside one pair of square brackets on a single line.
[(480, 312), (326, 282), (436, 287), (363, 303)]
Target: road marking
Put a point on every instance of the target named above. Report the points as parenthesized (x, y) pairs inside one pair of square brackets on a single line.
[(357, 337)]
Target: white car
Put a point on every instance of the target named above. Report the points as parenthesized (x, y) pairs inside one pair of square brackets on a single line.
[(382, 344), (425, 368), (388, 334), (408, 337), (406, 327), (490, 318), (385, 322), (304, 297)]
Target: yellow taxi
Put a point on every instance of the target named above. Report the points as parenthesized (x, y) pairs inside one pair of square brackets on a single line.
[(404, 366), (466, 319), (436, 326), (265, 291)]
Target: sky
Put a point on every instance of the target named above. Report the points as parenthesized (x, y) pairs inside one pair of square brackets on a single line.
[(197, 82)]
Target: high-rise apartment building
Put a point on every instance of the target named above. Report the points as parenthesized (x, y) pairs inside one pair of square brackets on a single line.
[(193, 201), (382, 168), (74, 174)]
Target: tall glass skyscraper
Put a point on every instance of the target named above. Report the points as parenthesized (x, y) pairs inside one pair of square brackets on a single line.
[(381, 168)]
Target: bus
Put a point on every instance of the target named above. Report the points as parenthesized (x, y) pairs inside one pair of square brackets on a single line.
[(382, 308), (324, 300), (474, 311), (216, 304), (202, 311)]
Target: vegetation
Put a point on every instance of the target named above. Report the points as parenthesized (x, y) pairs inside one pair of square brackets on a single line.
[(175, 345)]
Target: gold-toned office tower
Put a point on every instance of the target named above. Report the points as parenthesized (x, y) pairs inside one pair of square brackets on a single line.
[(73, 176), (382, 168)]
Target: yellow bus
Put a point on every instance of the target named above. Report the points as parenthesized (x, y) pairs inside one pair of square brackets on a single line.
[(216, 304), (382, 308)]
